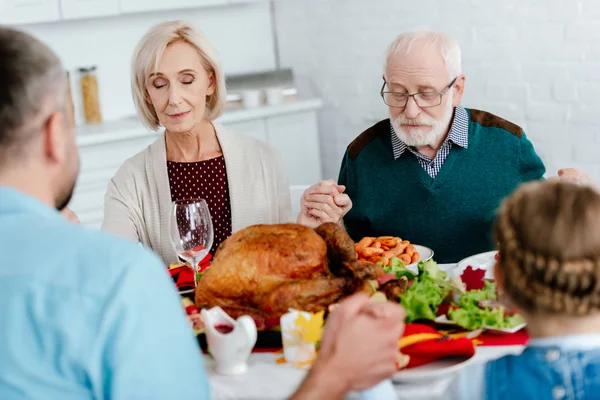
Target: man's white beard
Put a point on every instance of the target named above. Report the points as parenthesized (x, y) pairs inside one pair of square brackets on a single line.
[(422, 136)]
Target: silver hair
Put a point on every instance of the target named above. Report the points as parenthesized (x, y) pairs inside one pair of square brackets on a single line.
[(449, 48), (33, 84)]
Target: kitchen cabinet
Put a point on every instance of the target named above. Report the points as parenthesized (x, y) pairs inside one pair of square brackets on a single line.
[(99, 163), (291, 129), (248, 1), (133, 6), (257, 129), (18, 12), (72, 9), (296, 137), (13, 12)]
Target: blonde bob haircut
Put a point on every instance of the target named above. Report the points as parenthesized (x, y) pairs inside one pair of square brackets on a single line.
[(146, 58)]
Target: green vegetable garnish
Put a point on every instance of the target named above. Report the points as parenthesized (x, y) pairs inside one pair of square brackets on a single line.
[(472, 297), (427, 292), (433, 269), (397, 267), (470, 316), (430, 288)]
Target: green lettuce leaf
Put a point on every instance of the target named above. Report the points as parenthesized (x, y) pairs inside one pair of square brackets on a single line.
[(397, 267), (434, 271), (473, 297), (474, 317), (514, 320), (470, 316), (422, 298)]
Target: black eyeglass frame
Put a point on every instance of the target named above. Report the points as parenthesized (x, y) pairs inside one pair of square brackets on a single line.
[(408, 96)]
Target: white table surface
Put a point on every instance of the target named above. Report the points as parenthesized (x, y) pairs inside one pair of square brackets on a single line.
[(267, 380)]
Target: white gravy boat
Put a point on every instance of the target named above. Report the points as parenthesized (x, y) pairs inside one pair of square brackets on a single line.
[(230, 341)]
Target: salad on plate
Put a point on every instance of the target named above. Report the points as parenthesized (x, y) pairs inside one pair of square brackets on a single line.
[(469, 301)]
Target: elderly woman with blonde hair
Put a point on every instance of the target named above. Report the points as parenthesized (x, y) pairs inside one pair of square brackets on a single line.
[(178, 83)]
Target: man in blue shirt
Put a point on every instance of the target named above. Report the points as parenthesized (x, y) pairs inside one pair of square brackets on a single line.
[(86, 315)]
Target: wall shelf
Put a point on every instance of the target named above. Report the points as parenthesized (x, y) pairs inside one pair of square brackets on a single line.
[(132, 127)]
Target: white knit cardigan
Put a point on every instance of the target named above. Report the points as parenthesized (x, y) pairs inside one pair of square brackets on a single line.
[(137, 204)]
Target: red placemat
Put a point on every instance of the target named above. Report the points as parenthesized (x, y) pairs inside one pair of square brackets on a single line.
[(520, 338)]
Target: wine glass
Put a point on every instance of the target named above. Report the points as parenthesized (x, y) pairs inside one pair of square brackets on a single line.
[(191, 231)]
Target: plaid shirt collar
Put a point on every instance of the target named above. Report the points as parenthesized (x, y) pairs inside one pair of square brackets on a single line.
[(459, 133)]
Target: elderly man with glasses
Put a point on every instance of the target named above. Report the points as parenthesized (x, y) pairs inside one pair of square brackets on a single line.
[(434, 172)]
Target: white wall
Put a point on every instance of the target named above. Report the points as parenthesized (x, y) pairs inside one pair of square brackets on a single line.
[(242, 35), (534, 62)]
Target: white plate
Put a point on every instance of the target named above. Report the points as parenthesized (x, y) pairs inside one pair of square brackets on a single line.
[(443, 368), (426, 255), (443, 320), (485, 261), (506, 330)]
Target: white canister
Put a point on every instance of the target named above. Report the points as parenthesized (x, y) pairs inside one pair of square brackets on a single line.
[(252, 98), (275, 96)]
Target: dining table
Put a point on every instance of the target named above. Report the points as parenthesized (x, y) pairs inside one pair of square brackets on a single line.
[(268, 379)]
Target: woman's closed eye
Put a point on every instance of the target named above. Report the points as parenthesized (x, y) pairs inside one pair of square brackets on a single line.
[(187, 80), (159, 83)]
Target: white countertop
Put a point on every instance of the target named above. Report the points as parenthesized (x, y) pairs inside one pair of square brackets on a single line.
[(132, 127), (245, 114)]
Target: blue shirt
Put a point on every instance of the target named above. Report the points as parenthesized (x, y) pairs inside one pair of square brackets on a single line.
[(565, 367), (84, 315)]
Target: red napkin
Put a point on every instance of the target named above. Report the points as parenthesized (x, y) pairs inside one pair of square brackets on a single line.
[(183, 276), (431, 349), (205, 263), (520, 338), (422, 352)]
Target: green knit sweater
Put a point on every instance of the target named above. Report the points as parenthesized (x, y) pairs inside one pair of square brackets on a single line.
[(453, 213)]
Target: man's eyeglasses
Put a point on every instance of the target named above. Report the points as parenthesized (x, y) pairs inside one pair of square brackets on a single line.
[(431, 98)]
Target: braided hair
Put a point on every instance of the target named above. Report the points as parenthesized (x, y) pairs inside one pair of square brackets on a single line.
[(549, 241)]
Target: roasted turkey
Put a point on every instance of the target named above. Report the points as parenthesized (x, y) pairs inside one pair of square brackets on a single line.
[(264, 270)]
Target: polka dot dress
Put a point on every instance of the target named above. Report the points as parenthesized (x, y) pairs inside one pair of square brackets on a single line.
[(207, 180)]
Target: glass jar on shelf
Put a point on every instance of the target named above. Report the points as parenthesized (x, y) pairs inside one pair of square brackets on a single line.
[(90, 96)]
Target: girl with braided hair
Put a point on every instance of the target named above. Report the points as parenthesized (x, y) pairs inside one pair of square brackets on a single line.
[(549, 267)]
